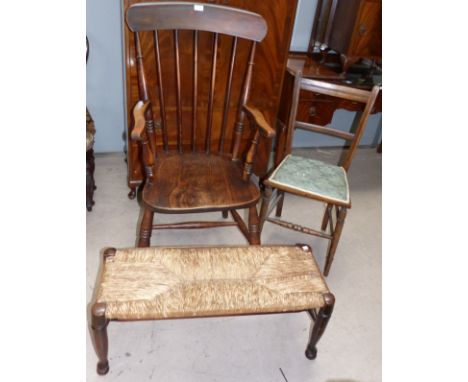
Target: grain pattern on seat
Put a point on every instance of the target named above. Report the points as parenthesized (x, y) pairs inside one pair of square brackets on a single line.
[(197, 182)]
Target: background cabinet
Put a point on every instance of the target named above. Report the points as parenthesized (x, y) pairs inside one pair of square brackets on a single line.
[(352, 28), (270, 63)]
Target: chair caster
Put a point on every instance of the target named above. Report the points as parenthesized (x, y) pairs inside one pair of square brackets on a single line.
[(311, 353)]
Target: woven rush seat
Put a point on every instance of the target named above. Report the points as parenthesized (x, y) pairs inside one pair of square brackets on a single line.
[(162, 283), (158, 283)]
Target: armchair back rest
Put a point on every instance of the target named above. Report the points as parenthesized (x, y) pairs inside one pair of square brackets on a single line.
[(365, 97), (196, 93)]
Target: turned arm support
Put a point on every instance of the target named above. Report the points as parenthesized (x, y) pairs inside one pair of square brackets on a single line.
[(263, 127), (139, 116), (257, 117), (140, 134)]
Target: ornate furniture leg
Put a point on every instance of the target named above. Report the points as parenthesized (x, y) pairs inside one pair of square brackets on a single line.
[(99, 327), (146, 228), (336, 238), (254, 231), (320, 323), (90, 185), (132, 193)]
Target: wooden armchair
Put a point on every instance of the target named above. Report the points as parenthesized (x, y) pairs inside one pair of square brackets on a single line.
[(188, 168)]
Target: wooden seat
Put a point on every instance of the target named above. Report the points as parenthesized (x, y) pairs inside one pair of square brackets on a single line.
[(183, 138), (311, 178), (198, 182), (161, 283)]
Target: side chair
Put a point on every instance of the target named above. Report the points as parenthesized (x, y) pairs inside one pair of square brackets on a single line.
[(188, 167), (315, 179)]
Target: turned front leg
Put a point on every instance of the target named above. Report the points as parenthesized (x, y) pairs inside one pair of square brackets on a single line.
[(146, 228), (99, 326), (254, 226), (320, 323)]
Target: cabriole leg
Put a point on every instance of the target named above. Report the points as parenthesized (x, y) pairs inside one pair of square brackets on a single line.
[(319, 325), (99, 328)]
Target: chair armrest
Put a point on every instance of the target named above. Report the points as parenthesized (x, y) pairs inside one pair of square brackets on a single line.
[(259, 119), (139, 116)]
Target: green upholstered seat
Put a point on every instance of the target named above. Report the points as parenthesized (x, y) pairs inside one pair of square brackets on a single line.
[(312, 178)]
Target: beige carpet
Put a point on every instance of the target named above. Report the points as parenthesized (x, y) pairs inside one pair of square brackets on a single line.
[(250, 348)]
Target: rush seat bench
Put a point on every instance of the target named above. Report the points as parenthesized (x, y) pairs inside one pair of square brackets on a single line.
[(163, 283)]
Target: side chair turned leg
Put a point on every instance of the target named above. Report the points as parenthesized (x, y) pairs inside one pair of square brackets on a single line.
[(99, 326), (146, 228), (254, 226), (334, 241), (325, 217), (266, 197), (225, 214), (318, 326), (279, 206)]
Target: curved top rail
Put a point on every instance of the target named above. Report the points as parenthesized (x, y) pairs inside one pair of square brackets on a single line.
[(196, 16)]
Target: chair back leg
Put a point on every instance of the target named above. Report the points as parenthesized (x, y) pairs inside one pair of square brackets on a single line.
[(279, 206)]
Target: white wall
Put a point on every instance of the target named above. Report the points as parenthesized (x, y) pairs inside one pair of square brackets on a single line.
[(303, 25), (104, 74)]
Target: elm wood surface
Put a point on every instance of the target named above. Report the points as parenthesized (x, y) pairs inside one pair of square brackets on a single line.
[(266, 83), (200, 173), (301, 182), (198, 182), (351, 27), (206, 282)]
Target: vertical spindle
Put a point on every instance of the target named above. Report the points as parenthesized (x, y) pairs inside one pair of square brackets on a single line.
[(160, 91), (243, 100), (195, 90), (228, 94), (178, 100), (211, 96)]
